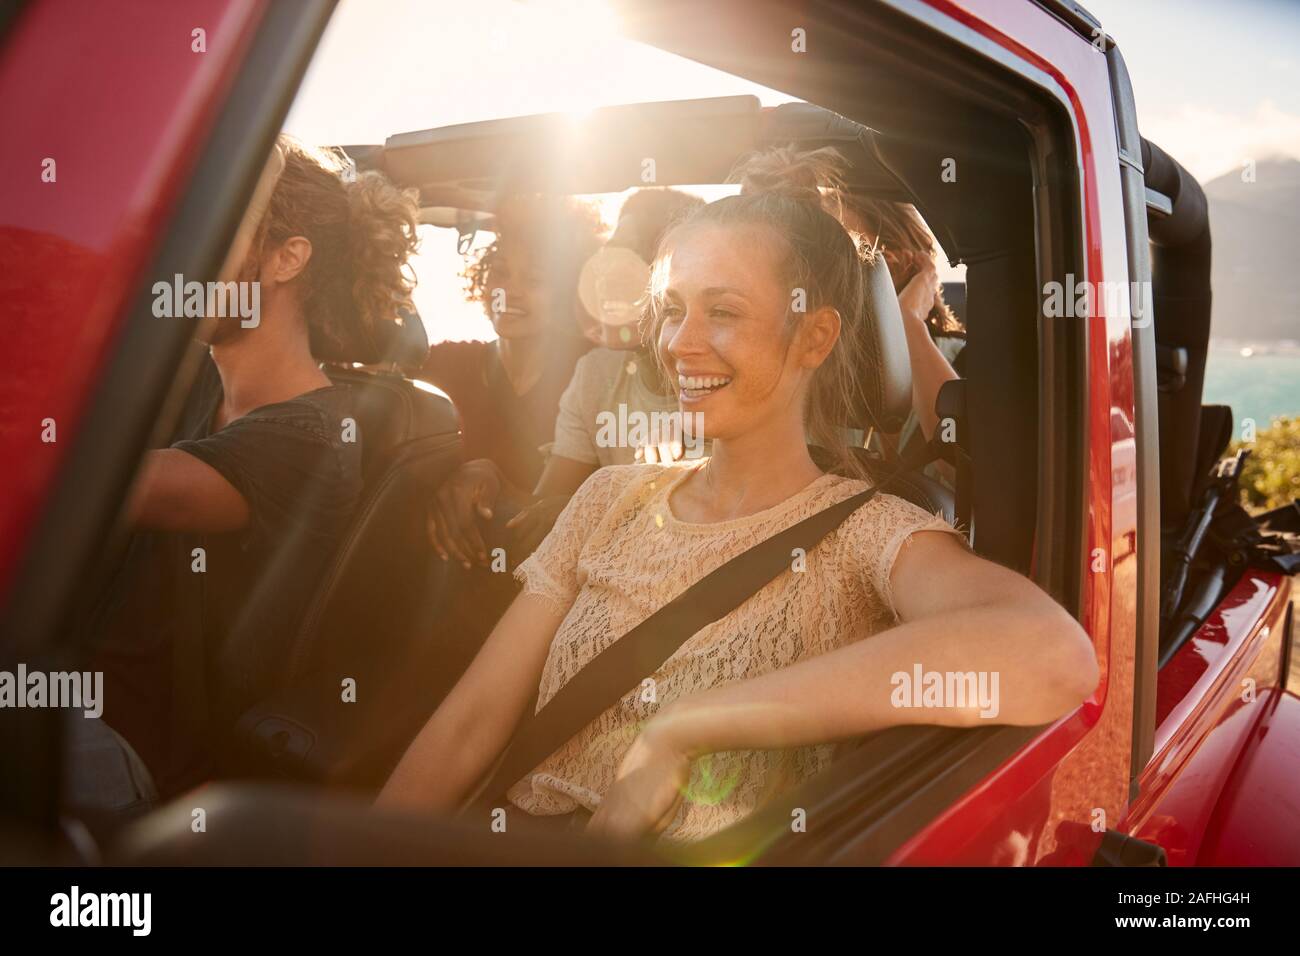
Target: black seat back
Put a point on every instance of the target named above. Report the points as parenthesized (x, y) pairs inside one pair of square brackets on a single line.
[(380, 593), (379, 615), (919, 489), (378, 586)]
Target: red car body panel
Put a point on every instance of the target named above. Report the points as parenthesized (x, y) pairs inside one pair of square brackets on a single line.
[(1257, 819), (114, 94), (1221, 710), (1047, 803)]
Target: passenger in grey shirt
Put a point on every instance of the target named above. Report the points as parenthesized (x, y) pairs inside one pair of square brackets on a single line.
[(612, 412)]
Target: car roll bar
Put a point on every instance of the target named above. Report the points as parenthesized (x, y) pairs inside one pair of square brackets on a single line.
[(1178, 226)]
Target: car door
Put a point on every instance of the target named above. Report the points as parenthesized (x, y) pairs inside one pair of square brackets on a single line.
[(136, 133)]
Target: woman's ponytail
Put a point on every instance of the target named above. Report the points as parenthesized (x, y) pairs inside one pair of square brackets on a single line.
[(813, 176)]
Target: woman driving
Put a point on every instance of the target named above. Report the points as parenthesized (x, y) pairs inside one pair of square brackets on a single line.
[(753, 702)]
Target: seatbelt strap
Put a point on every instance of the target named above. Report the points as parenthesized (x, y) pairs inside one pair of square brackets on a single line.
[(641, 651)]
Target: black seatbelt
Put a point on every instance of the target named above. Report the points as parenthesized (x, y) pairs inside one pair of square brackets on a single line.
[(625, 663)]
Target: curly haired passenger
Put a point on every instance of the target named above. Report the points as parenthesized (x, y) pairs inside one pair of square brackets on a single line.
[(263, 471)]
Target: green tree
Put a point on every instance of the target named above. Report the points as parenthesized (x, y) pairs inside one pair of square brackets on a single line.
[(1271, 477)]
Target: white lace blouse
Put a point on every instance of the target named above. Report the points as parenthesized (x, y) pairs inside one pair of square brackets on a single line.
[(617, 554)]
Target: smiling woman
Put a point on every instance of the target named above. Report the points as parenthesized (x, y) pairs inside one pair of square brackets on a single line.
[(756, 304), (815, 281)]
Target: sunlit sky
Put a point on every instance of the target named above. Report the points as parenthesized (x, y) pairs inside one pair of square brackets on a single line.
[(390, 66), (1216, 83)]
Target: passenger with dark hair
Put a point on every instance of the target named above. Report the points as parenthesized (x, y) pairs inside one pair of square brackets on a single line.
[(752, 703), (617, 383), (235, 520), (621, 374), (507, 391)]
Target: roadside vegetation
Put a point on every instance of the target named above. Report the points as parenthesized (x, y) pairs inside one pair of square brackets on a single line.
[(1272, 473)]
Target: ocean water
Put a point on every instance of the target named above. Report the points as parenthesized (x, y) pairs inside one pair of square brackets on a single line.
[(1260, 386)]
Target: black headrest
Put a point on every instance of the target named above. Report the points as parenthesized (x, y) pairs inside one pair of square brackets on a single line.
[(885, 365), (402, 342), (391, 410)]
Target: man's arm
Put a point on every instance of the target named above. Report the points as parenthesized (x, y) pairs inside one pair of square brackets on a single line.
[(176, 492)]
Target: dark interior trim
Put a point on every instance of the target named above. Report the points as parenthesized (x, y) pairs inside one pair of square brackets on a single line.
[(9, 11), (1045, 116)]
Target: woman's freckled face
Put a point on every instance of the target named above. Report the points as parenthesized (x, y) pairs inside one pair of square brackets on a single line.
[(724, 303)]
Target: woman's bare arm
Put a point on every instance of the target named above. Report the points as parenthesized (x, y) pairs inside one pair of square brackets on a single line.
[(473, 724), (959, 613), (930, 369)]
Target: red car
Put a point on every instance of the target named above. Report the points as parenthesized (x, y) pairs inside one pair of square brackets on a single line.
[(1085, 458)]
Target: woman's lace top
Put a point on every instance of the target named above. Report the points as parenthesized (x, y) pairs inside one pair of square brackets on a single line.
[(617, 554)]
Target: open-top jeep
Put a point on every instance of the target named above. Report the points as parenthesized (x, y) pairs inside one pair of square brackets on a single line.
[(1084, 457)]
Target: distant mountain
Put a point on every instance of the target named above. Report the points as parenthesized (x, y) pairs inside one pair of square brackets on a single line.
[(1255, 229)]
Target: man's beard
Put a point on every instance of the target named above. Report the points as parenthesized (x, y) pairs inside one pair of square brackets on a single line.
[(223, 330)]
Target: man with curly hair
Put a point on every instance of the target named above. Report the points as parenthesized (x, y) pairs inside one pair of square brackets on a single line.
[(263, 471)]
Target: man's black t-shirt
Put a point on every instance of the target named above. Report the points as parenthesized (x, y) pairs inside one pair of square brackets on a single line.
[(195, 627)]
